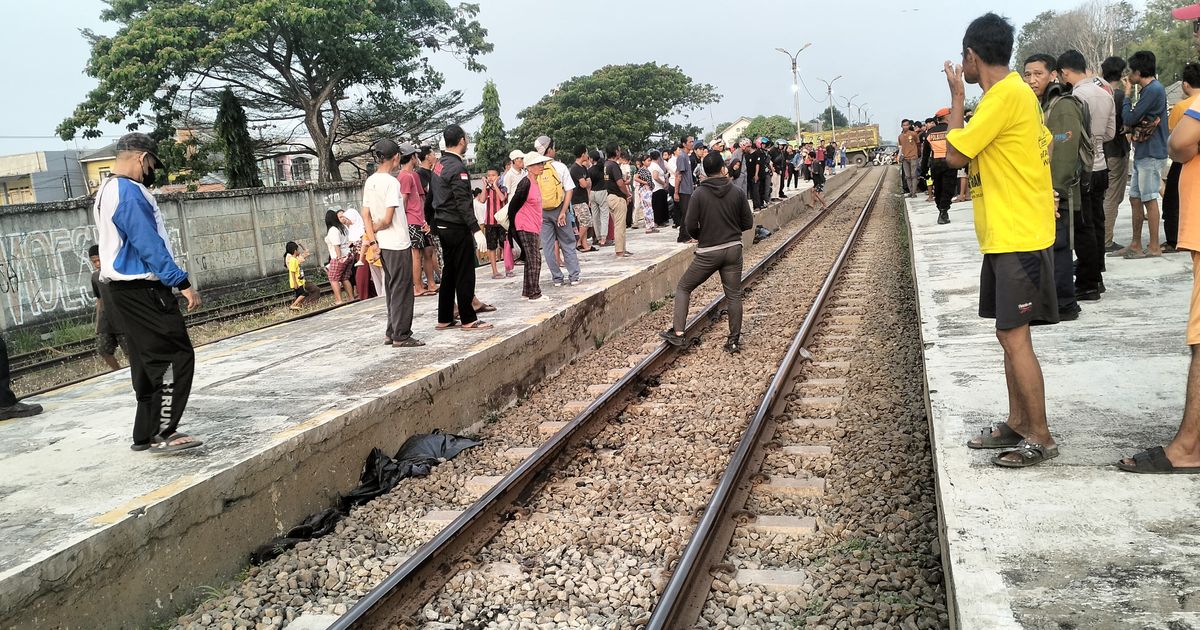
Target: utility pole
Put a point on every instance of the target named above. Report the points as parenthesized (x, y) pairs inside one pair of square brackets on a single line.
[(829, 91), (849, 105), (795, 84)]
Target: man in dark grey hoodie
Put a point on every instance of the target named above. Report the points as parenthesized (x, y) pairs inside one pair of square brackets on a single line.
[(717, 215)]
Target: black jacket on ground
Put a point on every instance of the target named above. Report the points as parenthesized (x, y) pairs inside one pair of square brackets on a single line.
[(451, 192), (718, 213)]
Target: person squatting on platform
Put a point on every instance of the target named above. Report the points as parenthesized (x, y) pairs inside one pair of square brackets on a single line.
[(139, 267), (1007, 148), (717, 216)]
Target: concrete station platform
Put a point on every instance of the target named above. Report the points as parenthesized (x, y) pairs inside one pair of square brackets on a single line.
[(97, 536), (1074, 542)]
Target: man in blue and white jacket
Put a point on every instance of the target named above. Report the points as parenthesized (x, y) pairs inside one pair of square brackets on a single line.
[(138, 266)]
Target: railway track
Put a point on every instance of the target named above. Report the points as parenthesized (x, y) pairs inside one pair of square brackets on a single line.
[(566, 488), (586, 529), (55, 356)]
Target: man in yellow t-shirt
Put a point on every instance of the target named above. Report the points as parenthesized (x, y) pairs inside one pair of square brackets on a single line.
[(1008, 150)]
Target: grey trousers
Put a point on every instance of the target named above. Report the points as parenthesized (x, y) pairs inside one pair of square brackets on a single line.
[(908, 170), (397, 274), (727, 262), (551, 232), (1118, 181), (599, 199)]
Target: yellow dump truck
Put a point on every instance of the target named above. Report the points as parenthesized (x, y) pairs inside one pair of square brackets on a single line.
[(861, 141)]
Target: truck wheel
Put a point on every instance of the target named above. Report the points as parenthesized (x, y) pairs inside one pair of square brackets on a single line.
[(859, 159)]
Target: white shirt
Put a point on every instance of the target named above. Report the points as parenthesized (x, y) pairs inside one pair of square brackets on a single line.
[(564, 176), (672, 168), (1103, 112), (512, 177), (380, 192), (337, 243), (655, 173)]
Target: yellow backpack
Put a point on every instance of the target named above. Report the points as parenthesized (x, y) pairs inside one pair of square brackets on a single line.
[(551, 187)]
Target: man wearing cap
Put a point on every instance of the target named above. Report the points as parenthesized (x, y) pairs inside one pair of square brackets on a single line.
[(137, 264), (756, 168), (386, 223), (556, 227), (684, 185), (945, 178), (456, 227), (515, 171)]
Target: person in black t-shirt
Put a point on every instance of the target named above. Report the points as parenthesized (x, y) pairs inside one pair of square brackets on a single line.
[(581, 205), (618, 198), (598, 196), (107, 337), (433, 259)]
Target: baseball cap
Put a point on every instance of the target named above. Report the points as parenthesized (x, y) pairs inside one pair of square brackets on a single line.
[(385, 148), (1190, 12), (945, 111), (716, 141), (516, 154), (699, 145), (541, 144), (139, 142), (407, 149)]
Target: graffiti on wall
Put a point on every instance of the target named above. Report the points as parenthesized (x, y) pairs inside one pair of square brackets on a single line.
[(45, 273)]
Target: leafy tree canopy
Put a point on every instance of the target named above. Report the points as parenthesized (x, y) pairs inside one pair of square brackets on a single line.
[(289, 61), (623, 104), (838, 117), (773, 127), (491, 148)]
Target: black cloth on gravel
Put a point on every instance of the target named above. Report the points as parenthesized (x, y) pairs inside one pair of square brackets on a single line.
[(416, 458)]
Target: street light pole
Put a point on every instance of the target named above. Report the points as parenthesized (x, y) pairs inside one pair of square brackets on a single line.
[(795, 84), (849, 104), (829, 91)]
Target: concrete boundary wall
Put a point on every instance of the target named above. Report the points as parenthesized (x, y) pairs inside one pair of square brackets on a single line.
[(152, 561), (220, 238)]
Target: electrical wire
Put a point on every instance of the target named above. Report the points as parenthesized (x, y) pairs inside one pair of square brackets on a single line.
[(815, 99)]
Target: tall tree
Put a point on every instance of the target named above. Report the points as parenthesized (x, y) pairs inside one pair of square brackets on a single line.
[(490, 145), (300, 61), (1096, 29), (667, 133), (241, 169), (838, 117), (616, 104), (773, 127), (1169, 39)]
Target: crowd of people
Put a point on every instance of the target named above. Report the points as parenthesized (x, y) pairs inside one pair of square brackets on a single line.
[(1049, 153)]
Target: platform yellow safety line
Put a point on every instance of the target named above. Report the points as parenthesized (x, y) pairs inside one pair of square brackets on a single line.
[(319, 419), (412, 377), (154, 496), (237, 348)]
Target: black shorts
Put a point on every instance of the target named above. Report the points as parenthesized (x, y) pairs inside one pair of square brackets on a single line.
[(418, 237), (1017, 289), (299, 291), (495, 235)]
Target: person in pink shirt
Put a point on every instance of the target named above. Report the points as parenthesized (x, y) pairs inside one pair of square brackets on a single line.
[(418, 228), (525, 212)]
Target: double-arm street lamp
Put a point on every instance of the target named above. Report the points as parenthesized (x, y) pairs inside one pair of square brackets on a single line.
[(795, 83), (829, 91)]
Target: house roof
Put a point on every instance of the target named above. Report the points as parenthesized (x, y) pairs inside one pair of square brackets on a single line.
[(107, 153)]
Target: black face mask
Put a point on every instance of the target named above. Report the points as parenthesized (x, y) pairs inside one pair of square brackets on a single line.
[(148, 175)]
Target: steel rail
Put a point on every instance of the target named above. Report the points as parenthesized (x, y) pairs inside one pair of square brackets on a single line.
[(396, 599), (684, 596)]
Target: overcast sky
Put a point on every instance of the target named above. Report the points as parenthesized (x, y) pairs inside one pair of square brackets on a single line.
[(889, 53)]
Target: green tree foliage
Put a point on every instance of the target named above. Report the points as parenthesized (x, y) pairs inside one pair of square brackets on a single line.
[(838, 117), (490, 145), (773, 127), (241, 169), (616, 104), (187, 156), (295, 61), (1169, 39), (1101, 29), (667, 133)]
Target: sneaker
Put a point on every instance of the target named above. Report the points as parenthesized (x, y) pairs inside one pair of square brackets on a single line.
[(576, 282), (19, 410), (1069, 316), (943, 217), (733, 345), (673, 339), (558, 283)]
